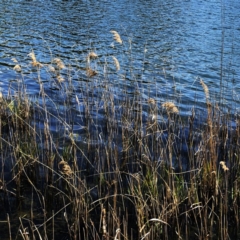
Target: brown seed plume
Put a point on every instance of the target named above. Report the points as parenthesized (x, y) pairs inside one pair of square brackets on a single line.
[(65, 168), (116, 37), (90, 72), (60, 78), (59, 63), (224, 167), (170, 107), (116, 63), (92, 55), (151, 101), (34, 62), (17, 68), (205, 89)]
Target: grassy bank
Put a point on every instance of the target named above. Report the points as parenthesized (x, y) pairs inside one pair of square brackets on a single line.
[(100, 163)]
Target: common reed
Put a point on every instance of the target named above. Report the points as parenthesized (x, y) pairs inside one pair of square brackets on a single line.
[(95, 162)]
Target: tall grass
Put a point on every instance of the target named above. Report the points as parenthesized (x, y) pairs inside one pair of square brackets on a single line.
[(99, 164)]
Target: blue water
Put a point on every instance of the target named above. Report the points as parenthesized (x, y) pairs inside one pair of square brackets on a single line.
[(167, 45)]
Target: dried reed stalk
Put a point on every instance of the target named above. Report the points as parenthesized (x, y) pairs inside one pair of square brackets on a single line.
[(116, 63), (116, 37)]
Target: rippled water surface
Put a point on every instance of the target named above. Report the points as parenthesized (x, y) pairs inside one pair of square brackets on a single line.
[(166, 45)]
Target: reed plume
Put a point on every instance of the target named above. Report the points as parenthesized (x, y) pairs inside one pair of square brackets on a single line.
[(90, 72), (116, 63), (34, 62), (170, 107), (14, 60), (51, 69), (151, 101), (60, 78), (64, 168), (32, 56), (116, 37), (224, 167), (59, 63), (205, 89), (92, 55), (17, 68)]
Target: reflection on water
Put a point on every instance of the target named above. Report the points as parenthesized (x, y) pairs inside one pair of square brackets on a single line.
[(167, 44)]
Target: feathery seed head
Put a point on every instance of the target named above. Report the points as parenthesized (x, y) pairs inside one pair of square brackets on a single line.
[(170, 107), (116, 36), (116, 63), (59, 63), (151, 101), (205, 89), (17, 68)]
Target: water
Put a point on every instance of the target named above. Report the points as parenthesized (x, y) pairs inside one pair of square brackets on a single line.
[(166, 45)]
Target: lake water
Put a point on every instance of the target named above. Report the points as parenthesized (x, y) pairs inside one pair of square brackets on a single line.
[(167, 45)]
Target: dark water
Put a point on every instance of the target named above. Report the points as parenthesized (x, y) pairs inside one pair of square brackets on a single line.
[(166, 45)]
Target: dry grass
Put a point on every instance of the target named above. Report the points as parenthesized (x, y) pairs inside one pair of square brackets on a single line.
[(100, 164)]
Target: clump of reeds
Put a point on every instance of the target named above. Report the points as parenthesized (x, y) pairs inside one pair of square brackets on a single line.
[(147, 178)]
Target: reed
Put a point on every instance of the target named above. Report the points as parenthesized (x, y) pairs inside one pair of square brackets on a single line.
[(94, 162)]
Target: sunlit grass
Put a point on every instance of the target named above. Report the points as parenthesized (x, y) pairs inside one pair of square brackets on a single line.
[(99, 164)]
